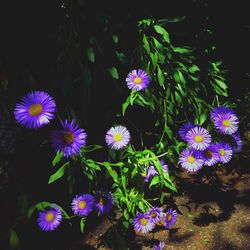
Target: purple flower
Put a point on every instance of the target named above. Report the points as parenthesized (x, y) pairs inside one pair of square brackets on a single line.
[(104, 202), (220, 110), (184, 129), (50, 219), (155, 214), (211, 155), (151, 171), (160, 246), (191, 160), (238, 142), (137, 80), (83, 204), (117, 137), (198, 138), (70, 139), (224, 152), (35, 110), (143, 223), (170, 218)]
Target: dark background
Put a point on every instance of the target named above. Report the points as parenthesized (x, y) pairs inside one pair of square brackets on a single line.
[(43, 47)]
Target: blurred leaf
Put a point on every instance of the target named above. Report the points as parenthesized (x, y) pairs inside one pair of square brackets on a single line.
[(91, 54), (160, 77), (91, 148), (155, 180), (146, 44), (58, 174), (40, 206), (114, 73), (14, 241), (163, 32), (82, 224), (57, 158), (115, 38)]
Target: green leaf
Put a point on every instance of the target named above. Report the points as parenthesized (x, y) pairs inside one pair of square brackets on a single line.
[(111, 171), (169, 132), (91, 54), (146, 44), (114, 73), (115, 38), (82, 224), (194, 69), (57, 158), (14, 241), (154, 181), (221, 84), (91, 148), (58, 174), (182, 50), (163, 32), (154, 59), (160, 77)]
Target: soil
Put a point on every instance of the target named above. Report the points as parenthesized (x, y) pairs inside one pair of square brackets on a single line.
[(213, 213)]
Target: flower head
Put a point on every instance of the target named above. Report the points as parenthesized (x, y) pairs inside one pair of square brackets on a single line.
[(210, 155), (70, 139), (104, 202), (238, 142), (83, 204), (184, 129), (35, 110), (49, 220), (151, 171), (170, 218), (117, 137), (143, 223), (198, 138), (220, 110), (160, 246), (155, 213), (137, 80), (191, 160), (224, 152)]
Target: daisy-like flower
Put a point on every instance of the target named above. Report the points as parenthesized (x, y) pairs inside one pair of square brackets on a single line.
[(155, 213), (143, 223), (224, 152), (83, 204), (35, 110), (220, 110), (70, 139), (151, 171), (170, 218), (117, 137), (226, 123), (238, 142), (104, 202), (211, 155), (137, 80), (160, 246), (198, 138), (184, 129), (50, 219), (191, 160)]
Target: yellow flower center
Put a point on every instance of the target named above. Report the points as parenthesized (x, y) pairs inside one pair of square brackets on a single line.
[(209, 153), (49, 216), (101, 201), (226, 123), (117, 137), (143, 221), (82, 204), (191, 159), (153, 214), (169, 217), (69, 137), (35, 109), (198, 138), (222, 151), (138, 80)]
